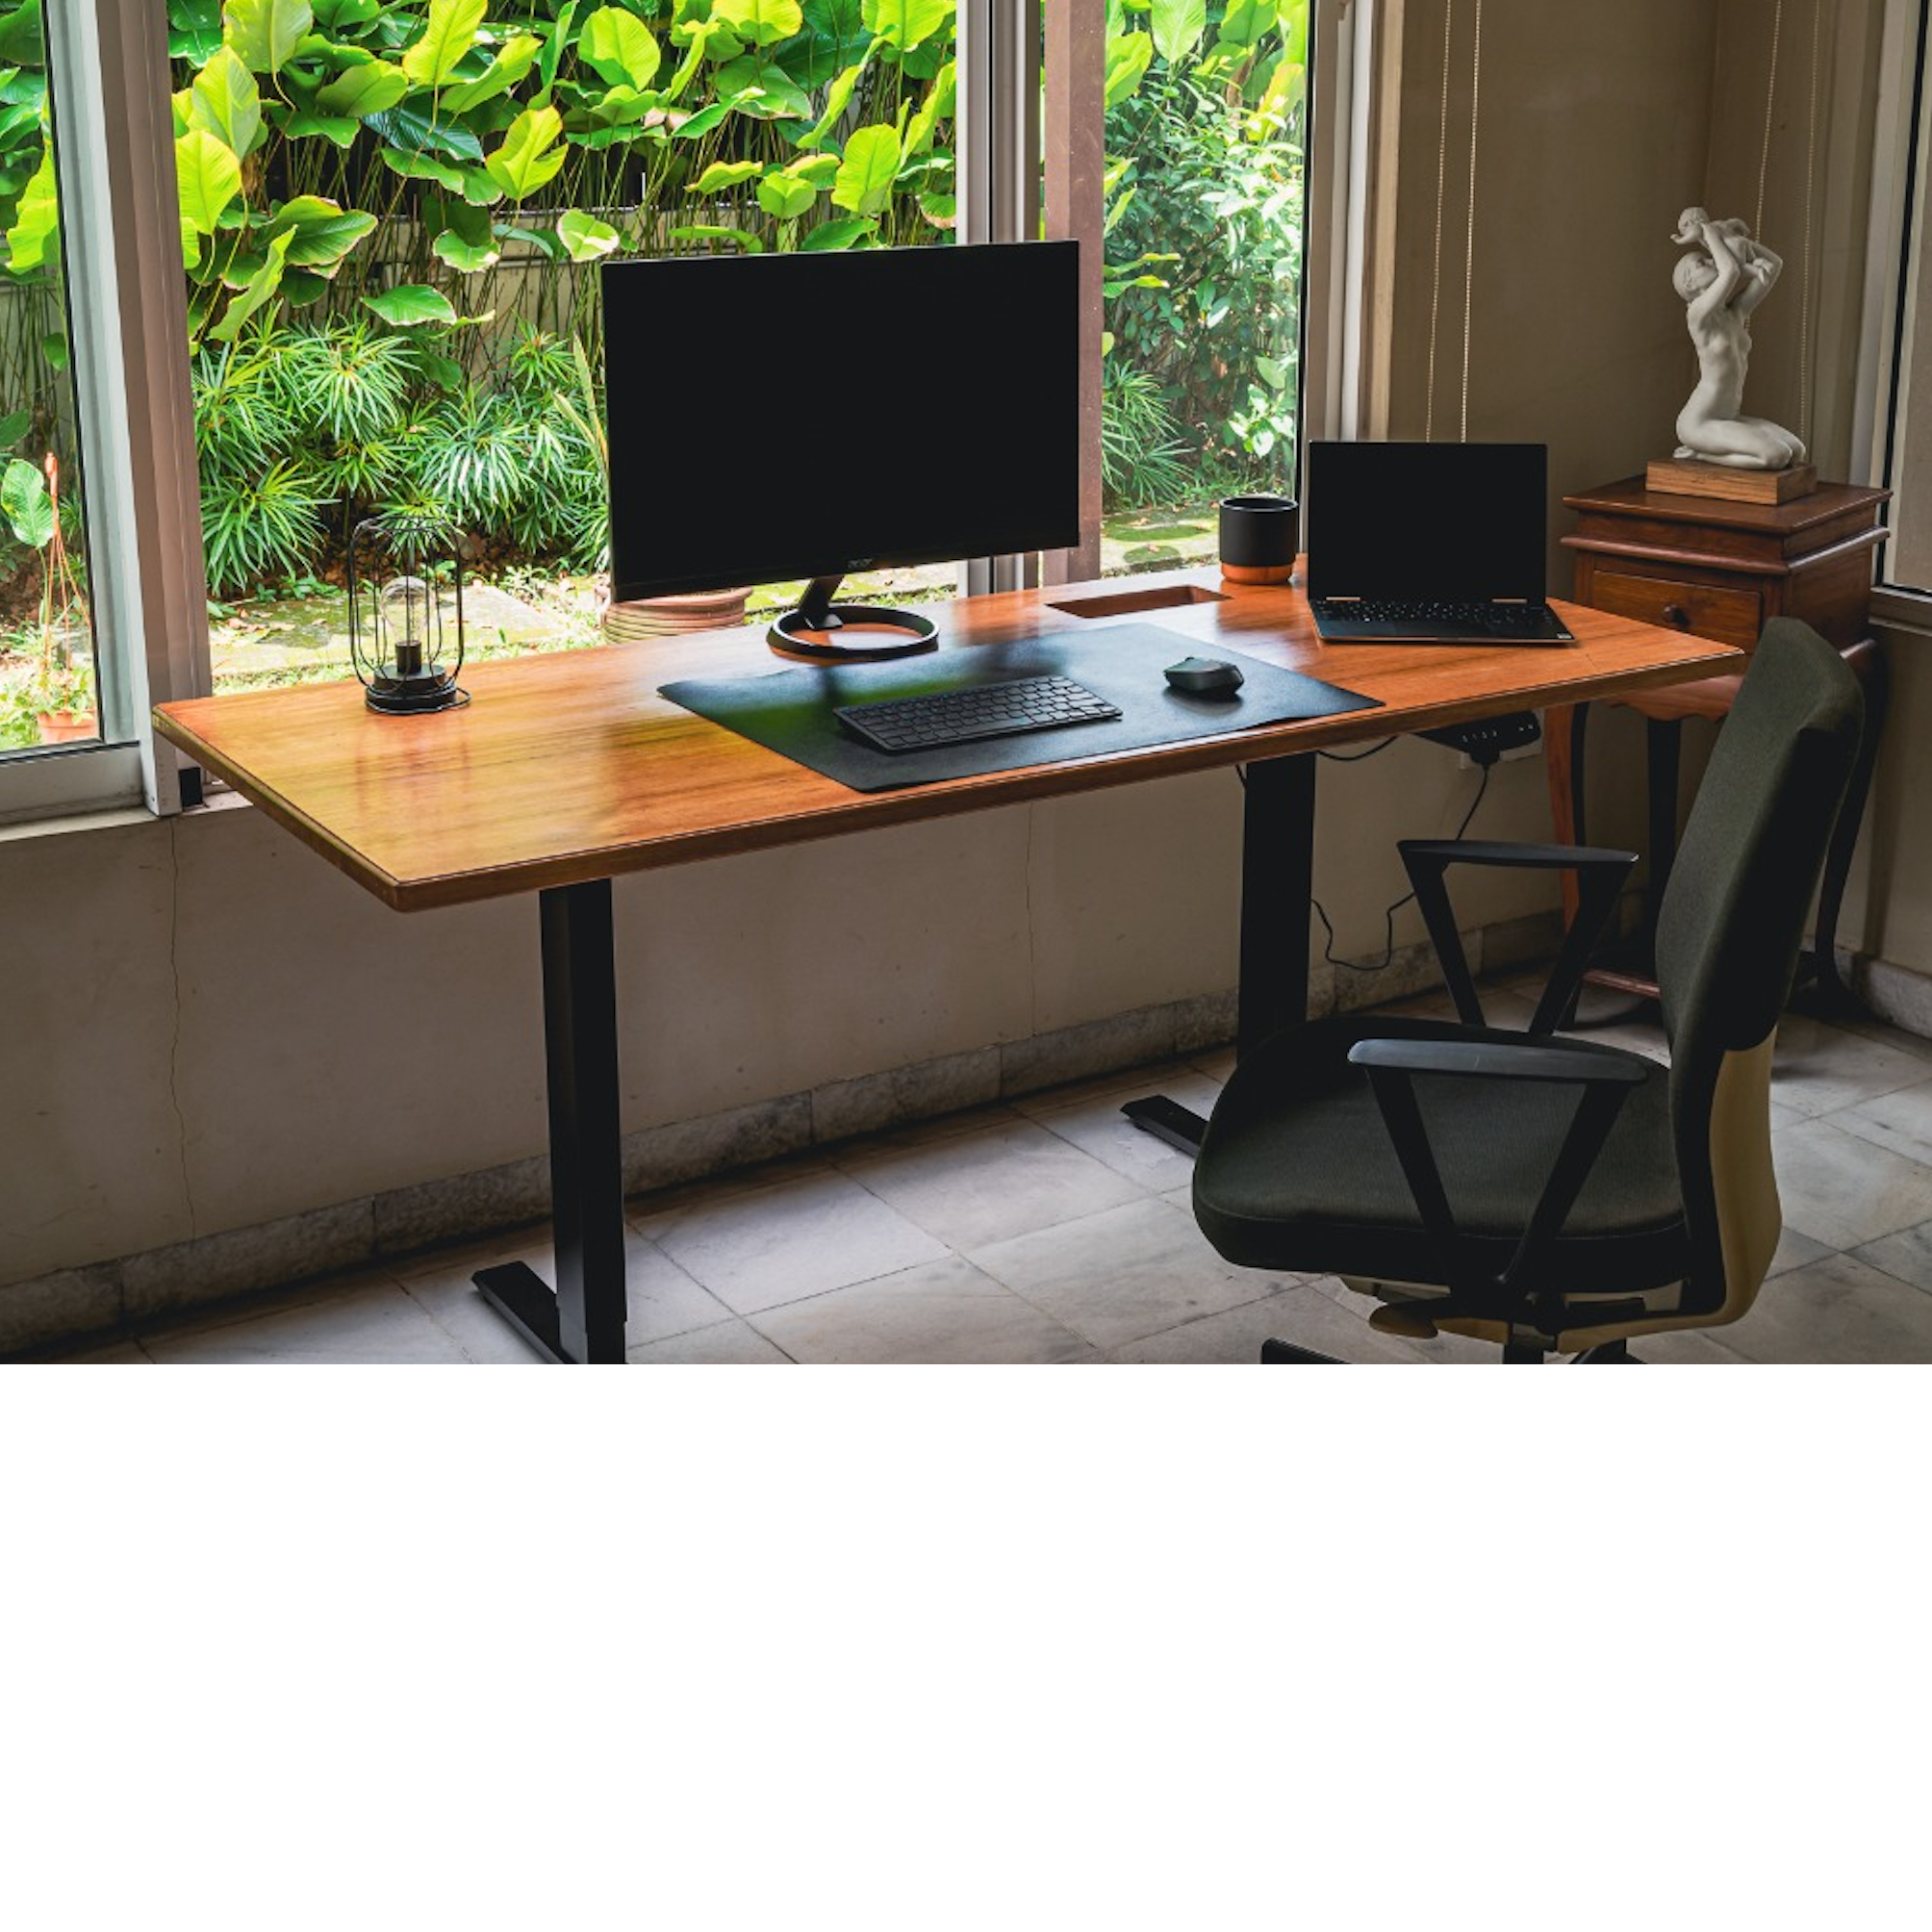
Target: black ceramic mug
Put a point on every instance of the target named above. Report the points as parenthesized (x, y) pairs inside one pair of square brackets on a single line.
[(1257, 538)]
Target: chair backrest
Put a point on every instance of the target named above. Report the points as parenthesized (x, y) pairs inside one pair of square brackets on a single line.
[(1728, 935)]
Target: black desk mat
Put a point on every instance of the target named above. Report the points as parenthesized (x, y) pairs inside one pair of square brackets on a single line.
[(790, 712)]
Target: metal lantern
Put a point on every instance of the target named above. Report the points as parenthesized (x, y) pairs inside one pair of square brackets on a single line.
[(406, 612)]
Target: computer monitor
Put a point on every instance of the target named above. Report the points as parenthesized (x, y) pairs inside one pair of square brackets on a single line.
[(807, 415)]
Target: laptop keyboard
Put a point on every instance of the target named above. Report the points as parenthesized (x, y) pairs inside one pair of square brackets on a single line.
[(1498, 618), (974, 711)]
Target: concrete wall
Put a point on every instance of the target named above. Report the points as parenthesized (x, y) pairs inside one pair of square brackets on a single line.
[(213, 1030)]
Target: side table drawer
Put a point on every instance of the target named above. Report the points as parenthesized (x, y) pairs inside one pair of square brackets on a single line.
[(1726, 616)]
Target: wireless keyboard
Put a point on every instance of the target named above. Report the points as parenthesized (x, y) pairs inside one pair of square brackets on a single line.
[(974, 711), (1430, 617)]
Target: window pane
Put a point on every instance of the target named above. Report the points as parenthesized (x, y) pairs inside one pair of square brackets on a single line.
[(1907, 560), (392, 228), (1201, 384), (47, 679)]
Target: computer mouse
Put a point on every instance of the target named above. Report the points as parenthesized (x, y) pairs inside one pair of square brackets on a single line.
[(1206, 678)]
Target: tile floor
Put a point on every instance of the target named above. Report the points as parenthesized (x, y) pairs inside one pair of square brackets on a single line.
[(1050, 1231)]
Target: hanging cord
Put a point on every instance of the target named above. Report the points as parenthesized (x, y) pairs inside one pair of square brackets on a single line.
[(1469, 237), (1435, 267), (1389, 912), (1805, 283), (1770, 97)]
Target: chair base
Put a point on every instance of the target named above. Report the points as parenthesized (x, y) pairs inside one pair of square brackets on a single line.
[(1273, 1352)]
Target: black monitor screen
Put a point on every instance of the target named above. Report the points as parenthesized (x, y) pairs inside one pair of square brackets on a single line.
[(780, 417)]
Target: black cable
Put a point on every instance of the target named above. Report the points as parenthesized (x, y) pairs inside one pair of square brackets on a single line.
[(1388, 916), (1356, 757)]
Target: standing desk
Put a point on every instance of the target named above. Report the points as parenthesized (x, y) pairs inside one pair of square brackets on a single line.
[(567, 769)]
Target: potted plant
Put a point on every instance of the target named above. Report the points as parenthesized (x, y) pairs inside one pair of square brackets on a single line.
[(60, 690)]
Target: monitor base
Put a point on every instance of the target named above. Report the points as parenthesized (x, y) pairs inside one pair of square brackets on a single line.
[(879, 633)]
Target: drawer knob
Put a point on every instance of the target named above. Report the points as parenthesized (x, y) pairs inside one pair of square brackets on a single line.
[(1677, 616)]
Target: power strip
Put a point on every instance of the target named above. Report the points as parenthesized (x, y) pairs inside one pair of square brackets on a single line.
[(1483, 741)]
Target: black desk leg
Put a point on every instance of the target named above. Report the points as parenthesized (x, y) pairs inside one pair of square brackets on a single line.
[(1278, 879), (1278, 870), (584, 1320)]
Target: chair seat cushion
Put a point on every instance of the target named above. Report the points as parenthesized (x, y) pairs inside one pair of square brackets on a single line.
[(1297, 1171)]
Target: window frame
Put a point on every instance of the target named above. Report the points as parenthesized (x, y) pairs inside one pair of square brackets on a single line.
[(127, 321), (1901, 201)]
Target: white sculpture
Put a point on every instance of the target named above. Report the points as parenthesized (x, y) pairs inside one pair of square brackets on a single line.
[(1722, 281)]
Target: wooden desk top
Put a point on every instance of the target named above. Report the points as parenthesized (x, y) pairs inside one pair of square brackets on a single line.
[(570, 767)]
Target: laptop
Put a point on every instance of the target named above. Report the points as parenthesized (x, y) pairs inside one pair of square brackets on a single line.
[(1429, 542)]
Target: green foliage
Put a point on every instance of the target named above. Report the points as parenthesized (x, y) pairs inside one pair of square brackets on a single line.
[(1143, 456), (1205, 237), (258, 528)]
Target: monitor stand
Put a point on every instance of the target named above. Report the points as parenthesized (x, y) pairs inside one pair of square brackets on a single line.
[(812, 631)]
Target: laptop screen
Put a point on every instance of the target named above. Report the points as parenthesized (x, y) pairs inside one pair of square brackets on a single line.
[(1422, 520)]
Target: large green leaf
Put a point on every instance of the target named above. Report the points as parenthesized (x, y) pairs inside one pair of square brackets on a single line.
[(554, 43), (208, 176), (411, 306), (13, 427), (193, 29), (703, 120), (35, 236), (835, 35), (467, 258), (24, 500), (261, 289), (1126, 59), (305, 123), (837, 99), (512, 62), (619, 48), (905, 23), (760, 23), (723, 175), (448, 34), (620, 108), (1178, 27), (935, 108), (320, 232), (835, 235), (779, 98), (584, 236), (1246, 21), (225, 100), (785, 196), (529, 155), (419, 133), (870, 164), (339, 15), (266, 33), (424, 168), (23, 40), (364, 90), (737, 238)]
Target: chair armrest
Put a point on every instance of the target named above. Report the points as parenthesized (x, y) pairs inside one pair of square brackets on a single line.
[(1516, 853), (1605, 1079), (1600, 871), (1498, 1060)]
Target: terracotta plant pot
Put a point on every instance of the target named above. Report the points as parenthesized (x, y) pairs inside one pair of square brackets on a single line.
[(669, 616), (66, 727)]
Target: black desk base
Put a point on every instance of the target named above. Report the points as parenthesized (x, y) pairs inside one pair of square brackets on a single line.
[(582, 1320), (1278, 880)]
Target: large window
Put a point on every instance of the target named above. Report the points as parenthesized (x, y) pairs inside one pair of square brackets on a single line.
[(1207, 112), (1899, 343), (266, 267), (48, 675)]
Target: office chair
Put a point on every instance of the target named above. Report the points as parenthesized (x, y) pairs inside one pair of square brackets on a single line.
[(1556, 1196)]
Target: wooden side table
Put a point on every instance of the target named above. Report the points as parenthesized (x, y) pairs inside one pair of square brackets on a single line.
[(1721, 569)]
